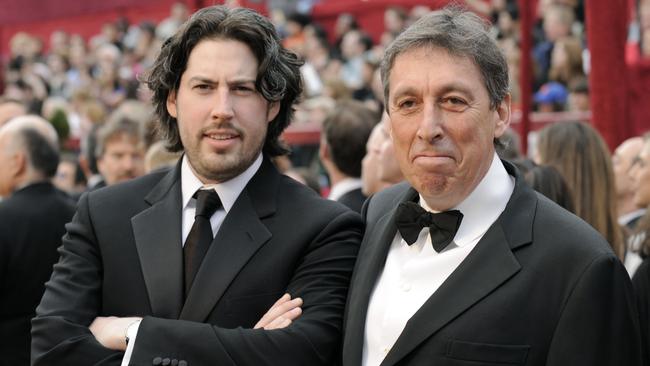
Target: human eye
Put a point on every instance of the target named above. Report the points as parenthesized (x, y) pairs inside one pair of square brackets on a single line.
[(202, 88), (406, 105), (454, 103), (246, 88)]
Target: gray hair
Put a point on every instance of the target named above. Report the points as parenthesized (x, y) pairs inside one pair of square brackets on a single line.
[(461, 33)]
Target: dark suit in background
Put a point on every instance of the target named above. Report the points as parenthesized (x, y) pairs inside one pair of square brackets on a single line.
[(32, 223), (124, 243), (353, 199)]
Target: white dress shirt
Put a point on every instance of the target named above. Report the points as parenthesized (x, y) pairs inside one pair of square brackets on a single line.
[(413, 273), (343, 187), (632, 259), (228, 192)]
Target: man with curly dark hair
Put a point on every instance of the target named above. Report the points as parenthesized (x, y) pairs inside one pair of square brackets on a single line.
[(179, 267)]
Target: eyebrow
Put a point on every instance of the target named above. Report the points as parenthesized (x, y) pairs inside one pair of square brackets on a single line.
[(205, 80), (448, 88)]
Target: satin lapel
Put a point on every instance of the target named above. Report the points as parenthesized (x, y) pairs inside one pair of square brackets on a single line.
[(370, 263), (488, 266), (241, 234), (157, 232)]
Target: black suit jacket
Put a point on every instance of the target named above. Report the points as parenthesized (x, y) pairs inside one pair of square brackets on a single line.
[(32, 223), (122, 256), (353, 199), (540, 288)]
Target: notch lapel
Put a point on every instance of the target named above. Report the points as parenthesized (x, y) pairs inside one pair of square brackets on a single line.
[(157, 232), (241, 235)]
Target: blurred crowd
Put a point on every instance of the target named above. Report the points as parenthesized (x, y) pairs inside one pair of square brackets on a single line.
[(90, 90)]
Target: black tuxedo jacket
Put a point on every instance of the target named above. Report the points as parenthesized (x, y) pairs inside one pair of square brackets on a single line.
[(540, 288), (32, 222), (122, 256), (353, 199)]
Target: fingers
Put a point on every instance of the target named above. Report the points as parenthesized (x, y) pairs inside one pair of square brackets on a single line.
[(98, 324), (283, 309), (285, 320)]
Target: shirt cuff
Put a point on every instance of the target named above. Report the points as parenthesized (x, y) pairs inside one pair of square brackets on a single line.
[(131, 332)]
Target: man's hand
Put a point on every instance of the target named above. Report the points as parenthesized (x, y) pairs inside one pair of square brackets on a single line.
[(110, 331), (281, 314)]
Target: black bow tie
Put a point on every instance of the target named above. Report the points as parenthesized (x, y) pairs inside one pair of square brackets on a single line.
[(411, 218)]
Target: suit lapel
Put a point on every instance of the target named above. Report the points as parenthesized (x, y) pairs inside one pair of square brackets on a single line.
[(370, 263), (239, 238), (487, 267), (157, 232)]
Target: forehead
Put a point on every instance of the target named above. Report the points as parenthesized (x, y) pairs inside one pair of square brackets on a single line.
[(433, 66), (222, 56)]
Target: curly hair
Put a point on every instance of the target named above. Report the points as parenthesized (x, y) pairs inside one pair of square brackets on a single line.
[(278, 75)]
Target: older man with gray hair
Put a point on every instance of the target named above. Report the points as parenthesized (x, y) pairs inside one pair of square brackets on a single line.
[(463, 264), (32, 219)]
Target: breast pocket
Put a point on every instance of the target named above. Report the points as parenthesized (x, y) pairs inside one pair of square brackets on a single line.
[(486, 353)]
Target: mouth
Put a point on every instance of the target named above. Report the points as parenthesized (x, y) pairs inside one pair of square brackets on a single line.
[(221, 141), (221, 136)]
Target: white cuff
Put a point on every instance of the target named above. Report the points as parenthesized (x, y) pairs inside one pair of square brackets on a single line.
[(131, 333)]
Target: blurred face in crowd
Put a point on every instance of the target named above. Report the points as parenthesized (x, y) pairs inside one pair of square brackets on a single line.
[(9, 163), (640, 173), (622, 159), (122, 159), (388, 169), (442, 124), (222, 118), (369, 173), (65, 176)]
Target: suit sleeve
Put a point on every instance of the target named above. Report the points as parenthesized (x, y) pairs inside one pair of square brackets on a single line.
[(599, 323), (321, 279), (72, 300)]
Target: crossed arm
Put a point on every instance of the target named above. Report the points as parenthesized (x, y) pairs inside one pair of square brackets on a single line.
[(111, 331)]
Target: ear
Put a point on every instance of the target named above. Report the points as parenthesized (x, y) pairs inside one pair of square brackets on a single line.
[(323, 150), (274, 109), (502, 116), (171, 104), (17, 164)]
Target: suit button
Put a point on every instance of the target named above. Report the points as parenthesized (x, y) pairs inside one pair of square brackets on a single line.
[(174, 362), (157, 361), (405, 286), (166, 362), (182, 363)]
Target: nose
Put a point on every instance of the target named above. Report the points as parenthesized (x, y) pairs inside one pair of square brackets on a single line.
[(223, 108), (430, 127)]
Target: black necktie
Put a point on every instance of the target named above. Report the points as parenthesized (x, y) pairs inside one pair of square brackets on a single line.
[(200, 236), (411, 218)]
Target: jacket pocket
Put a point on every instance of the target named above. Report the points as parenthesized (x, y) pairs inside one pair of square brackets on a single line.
[(491, 353)]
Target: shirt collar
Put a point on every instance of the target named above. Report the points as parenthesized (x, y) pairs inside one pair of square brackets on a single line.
[(484, 205), (626, 218), (228, 191), (343, 187)]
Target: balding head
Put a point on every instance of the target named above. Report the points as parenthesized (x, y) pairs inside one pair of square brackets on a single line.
[(9, 109), (622, 160), (28, 152)]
